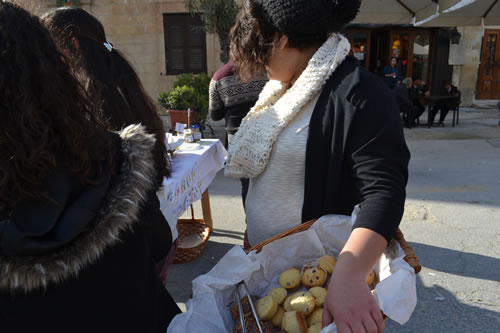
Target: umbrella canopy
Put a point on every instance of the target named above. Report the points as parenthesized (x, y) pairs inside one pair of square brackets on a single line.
[(395, 11), (463, 13)]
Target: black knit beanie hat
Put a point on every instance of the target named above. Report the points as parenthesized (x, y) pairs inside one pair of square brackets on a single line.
[(304, 19)]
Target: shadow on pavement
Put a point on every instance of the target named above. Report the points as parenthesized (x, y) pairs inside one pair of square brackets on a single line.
[(180, 277), (438, 310), (460, 263), (228, 233)]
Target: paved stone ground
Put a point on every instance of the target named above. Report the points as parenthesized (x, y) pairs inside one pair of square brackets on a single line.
[(452, 219)]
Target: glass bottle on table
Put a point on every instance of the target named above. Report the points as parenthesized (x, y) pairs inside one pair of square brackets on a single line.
[(195, 131)]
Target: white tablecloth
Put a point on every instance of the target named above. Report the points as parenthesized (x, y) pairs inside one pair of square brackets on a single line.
[(192, 172)]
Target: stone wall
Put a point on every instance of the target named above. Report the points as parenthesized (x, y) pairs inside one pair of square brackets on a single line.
[(135, 27), (467, 75)]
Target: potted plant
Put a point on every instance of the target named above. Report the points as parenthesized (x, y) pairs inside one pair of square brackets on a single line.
[(177, 102), (190, 91)]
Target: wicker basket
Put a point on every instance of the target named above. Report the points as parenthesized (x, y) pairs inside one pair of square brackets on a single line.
[(410, 255), (187, 228)]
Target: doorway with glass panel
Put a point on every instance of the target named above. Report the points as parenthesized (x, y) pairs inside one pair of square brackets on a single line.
[(413, 51), (488, 84), (375, 47)]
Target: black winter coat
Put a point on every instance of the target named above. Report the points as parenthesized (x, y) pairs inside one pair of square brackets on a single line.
[(85, 263), (356, 152), (403, 100)]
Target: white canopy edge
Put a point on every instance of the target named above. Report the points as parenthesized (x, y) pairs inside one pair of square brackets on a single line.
[(464, 13), (453, 21), (426, 15), (448, 6)]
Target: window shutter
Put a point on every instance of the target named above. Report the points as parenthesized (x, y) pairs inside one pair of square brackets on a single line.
[(174, 44), (196, 47), (185, 45)]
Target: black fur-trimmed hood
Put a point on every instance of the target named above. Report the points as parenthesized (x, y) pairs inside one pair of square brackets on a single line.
[(119, 212)]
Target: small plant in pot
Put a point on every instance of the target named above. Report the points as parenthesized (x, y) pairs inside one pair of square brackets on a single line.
[(190, 91), (177, 101)]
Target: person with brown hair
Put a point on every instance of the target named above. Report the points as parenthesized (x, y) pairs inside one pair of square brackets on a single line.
[(406, 107), (109, 77), (324, 136), (77, 203), (451, 101)]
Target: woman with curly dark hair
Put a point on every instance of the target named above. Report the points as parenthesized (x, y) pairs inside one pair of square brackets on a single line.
[(77, 203), (324, 137), (109, 76)]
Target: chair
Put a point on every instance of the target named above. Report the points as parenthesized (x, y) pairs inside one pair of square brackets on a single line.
[(456, 109), (407, 118), (419, 112)]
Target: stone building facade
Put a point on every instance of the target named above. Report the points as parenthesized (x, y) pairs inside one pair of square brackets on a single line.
[(136, 28), (466, 76)]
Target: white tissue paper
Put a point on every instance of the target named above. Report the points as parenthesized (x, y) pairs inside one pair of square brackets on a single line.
[(213, 293)]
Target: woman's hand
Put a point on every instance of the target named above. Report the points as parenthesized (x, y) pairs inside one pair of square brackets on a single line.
[(349, 301), (353, 306)]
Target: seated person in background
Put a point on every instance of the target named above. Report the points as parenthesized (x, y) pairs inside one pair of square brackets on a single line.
[(421, 87), (405, 104), (447, 104), (417, 90)]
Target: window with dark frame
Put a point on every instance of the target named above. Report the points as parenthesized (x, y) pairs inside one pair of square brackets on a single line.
[(185, 44)]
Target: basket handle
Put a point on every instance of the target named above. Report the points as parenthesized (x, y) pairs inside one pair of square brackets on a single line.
[(410, 255), (299, 228)]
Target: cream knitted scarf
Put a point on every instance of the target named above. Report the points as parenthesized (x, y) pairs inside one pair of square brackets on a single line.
[(277, 105)]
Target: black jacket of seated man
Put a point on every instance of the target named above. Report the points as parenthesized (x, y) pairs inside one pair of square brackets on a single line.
[(446, 104), (406, 106), (417, 90)]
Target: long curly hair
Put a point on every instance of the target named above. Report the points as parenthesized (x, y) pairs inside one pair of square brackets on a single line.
[(252, 36), (45, 111), (109, 76)]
